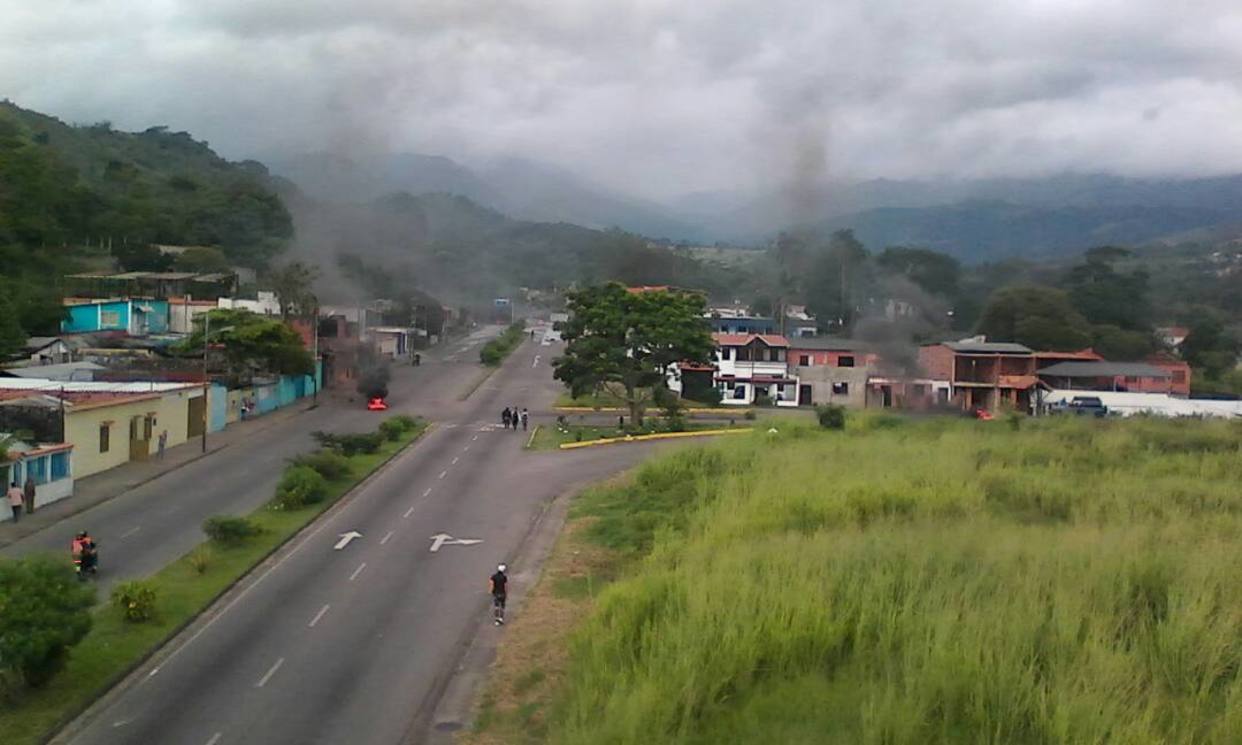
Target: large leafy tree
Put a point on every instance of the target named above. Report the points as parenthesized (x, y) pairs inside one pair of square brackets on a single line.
[(1042, 318), (625, 341), (294, 285), (251, 344), (43, 612)]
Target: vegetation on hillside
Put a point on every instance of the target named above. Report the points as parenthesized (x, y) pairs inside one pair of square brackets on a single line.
[(920, 582)]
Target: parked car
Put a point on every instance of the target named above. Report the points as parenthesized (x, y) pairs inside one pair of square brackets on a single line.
[(1087, 406)]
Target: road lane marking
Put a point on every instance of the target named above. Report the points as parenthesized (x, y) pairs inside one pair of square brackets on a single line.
[(214, 739), (444, 539), (425, 493), (357, 571), (131, 531), (443, 473), (385, 538), (268, 675), (465, 449), (318, 616), (346, 538), (407, 512), (121, 723), (455, 459), (472, 439), (536, 362)]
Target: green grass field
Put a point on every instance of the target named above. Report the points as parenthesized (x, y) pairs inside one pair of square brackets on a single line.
[(927, 581), (114, 646)]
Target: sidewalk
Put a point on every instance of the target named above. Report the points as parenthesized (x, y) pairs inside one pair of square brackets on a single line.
[(101, 487)]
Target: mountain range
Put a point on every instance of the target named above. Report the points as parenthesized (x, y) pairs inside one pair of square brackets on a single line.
[(973, 219)]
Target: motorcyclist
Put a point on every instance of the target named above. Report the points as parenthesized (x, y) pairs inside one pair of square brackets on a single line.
[(85, 553)]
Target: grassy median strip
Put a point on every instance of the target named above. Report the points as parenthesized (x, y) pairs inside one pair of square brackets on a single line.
[(553, 436), (494, 352), (114, 647), (902, 581)]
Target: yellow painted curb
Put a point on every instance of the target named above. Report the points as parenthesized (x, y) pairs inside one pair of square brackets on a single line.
[(692, 410), (660, 436)]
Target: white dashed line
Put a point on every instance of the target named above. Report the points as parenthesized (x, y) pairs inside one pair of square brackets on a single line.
[(455, 459), (425, 493), (268, 675), (465, 449), (443, 474), (472, 439), (131, 531), (214, 739), (385, 538), (407, 512), (318, 616), (357, 571)]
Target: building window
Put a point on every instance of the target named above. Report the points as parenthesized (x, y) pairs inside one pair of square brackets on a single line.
[(804, 360), (36, 468), (104, 437), (60, 466), (739, 393), (109, 319), (840, 389), (845, 361)]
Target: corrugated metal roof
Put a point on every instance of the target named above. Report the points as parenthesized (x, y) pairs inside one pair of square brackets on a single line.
[(1103, 369), (62, 371), (56, 386), (988, 347)]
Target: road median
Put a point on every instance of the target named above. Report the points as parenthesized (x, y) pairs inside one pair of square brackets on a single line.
[(186, 588), (656, 436)]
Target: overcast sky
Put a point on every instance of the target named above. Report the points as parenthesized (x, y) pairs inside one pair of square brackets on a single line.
[(660, 96)]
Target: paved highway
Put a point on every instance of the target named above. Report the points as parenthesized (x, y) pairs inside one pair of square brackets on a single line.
[(353, 644), (141, 531)]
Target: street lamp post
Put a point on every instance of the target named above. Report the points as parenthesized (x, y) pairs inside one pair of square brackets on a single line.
[(206, 380)]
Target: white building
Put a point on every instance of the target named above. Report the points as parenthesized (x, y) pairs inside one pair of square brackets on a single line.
[(51, 466), (754, 365), (267, 304), (1153, 404)]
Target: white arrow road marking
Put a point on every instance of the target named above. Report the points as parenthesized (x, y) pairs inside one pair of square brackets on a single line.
[(121, 723), (318, 616), (357, 571), (346, 538), (444, 539), (268, 675)]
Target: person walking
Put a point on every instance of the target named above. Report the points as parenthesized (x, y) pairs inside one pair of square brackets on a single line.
[(505, 416), (498, 585), (516, 419), (525, 419), (28, 494), (163, 443), (15, 500)]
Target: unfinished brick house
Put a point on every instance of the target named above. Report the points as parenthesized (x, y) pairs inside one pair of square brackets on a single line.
[(983, 374)]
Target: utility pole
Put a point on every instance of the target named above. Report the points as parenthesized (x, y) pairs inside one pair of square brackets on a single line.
[(206, 380), (315, 352)]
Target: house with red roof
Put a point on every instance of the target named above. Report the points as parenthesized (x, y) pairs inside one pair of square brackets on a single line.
[(754, 366)]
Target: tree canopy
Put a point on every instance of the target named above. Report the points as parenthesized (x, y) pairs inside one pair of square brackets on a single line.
[(251, 344), (628, 340), (44, 611), (1040, 317)]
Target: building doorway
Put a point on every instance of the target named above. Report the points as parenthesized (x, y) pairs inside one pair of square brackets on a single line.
[(139, 437), (195, 417)]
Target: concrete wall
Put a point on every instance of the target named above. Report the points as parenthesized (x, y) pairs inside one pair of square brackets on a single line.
[(47, 489), (936, 361), (82, 425), (821, 378)]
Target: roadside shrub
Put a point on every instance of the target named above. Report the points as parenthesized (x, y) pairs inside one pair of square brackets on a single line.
[(495, 351), (831, 416), (762, 399), (229, 530), (327, 463), (749, 415), (350, 444), (299, 487), (405, 421), (391, 430), (44, 610), (201, 558), (135, 599), (709, 397)]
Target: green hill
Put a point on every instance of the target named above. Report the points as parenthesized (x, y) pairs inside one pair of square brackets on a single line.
[(63, 185)]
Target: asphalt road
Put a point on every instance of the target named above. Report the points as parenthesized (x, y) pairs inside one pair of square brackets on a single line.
[(146, 528), (353, 645)]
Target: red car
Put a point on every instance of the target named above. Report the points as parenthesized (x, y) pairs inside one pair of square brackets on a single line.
[(376, 404)]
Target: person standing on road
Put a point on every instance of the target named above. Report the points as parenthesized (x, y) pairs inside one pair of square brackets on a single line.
[(516, 420), (525, 419), (498, 585), (28, 494), (163, 443), (505, 416), (15, 500)]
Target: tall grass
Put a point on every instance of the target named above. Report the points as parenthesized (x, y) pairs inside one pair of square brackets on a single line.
[(922, 582)]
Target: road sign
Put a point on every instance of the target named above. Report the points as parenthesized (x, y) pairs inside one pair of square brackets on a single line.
[(346, 538), (444, 539)]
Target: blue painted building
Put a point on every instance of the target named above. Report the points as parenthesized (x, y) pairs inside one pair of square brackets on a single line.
[(134, 316), (741, 324)]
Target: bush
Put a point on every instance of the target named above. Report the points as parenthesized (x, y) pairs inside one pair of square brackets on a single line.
[(299, 487), (44, 610), (327, 463), (831, 416), (135, 599), (762, 400), (391, 430), (406, 422), (350, 444), (229, 530), (709, 397), (201, 558), (495, 351), (749, 416)]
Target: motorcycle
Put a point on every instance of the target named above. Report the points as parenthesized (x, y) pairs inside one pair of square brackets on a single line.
[(86, 562)]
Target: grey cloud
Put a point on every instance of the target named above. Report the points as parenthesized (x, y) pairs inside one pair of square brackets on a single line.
[(656, 96)]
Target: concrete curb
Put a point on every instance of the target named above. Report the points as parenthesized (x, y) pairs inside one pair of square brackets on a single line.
[(615, 409), (533, 432), (660, 436), (125, 679)]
